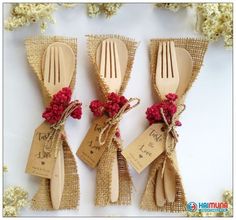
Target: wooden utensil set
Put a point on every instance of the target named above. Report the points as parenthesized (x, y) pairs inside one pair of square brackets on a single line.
[(167, 81), (58, 67), (173, 72)]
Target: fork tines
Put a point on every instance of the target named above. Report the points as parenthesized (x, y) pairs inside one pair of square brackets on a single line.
[(109, 65), (166, 60), (53, 65)]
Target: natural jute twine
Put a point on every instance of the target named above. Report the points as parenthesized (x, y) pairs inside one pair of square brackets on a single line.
[(114, 121), (170, 134)]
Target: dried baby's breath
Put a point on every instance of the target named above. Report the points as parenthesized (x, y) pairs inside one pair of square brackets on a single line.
[(173, 6), (67, 5), (108, 9), (215, 20), (14, 199), (24, 14)]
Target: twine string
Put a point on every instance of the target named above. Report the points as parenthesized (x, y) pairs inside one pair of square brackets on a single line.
[(111, 122), (171, 133), (56, 128)]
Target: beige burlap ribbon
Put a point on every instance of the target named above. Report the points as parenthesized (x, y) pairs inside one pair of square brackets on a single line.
[(57, 128), (114, 121)]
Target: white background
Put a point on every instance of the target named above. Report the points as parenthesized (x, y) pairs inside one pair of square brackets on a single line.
[(205, 145)]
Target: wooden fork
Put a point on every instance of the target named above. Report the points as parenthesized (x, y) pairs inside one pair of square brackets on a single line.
[(111, 75), (54, 80), (167, 74), (167, 81), (58, 67), (110, 65)]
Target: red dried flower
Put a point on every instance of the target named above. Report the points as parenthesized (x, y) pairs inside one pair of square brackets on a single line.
[(171, 96), (77, 113), (97, 107), (51, 116), (113, 97), (60, 101), (111, 107), (153, 113), (62, 97), (178, 123), (117, 134)]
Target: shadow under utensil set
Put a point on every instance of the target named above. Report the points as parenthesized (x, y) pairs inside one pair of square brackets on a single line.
[(175, 64)]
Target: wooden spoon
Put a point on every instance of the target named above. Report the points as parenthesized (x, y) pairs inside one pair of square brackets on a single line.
[(58, 64), (185, 66)]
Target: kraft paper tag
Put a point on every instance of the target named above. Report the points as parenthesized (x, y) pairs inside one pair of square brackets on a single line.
[(41, 163), (145, 148), (90, 151)]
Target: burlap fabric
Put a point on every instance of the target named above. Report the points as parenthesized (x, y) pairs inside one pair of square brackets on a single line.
[(103, 179), (35, 48), (197, 49)]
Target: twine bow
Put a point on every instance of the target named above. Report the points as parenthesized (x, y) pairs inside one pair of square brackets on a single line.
[(56, 128), (171, 133), (115, 120)]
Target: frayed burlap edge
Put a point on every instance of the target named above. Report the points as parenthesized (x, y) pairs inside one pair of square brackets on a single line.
[(35, 48), (197, 49), (148, 200), (70, 196), (103, 179)]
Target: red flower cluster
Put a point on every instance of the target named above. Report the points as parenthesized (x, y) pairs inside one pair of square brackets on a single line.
[(60, 101), (153, 113), (111, 107)]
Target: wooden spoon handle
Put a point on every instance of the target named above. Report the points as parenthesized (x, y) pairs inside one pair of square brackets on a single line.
[(159, 190), (57, 180), (115, 180), (169, 182)]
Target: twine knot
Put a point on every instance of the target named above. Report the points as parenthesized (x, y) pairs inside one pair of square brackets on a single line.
[(171, 133), (116, 119), (55, 129)]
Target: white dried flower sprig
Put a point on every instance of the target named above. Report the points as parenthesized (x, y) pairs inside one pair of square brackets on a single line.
[(108, 9), (24, 14), (67, 5), (173, 6), (215, 20), (14, 199)]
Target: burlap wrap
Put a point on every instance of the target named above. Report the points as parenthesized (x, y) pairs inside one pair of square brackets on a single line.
[(197, 49), (35, 48), (103, 179)]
